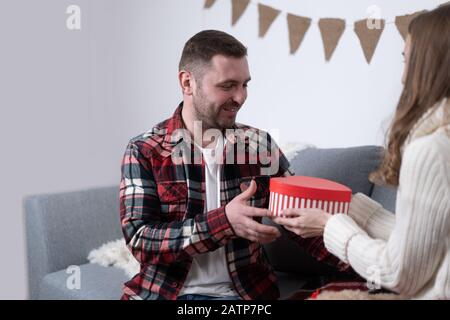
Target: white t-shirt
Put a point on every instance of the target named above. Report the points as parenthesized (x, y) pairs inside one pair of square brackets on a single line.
[(209, 272)]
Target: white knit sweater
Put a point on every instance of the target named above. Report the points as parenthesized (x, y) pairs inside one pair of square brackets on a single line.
[(409, 252)]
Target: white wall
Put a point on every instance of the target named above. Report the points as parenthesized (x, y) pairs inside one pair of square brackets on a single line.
[(70, 100), (336, 104)]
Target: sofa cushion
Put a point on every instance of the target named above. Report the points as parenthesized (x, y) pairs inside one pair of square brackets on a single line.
[(349, 166), (386, 196), (96, 283)]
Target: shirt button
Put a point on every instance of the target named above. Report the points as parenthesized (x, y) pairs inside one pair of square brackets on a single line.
[(174, 284)]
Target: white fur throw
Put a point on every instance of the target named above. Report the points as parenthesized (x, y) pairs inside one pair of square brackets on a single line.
[(291, 149), (116, 254)]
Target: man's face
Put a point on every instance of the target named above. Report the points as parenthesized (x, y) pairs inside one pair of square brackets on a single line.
[(221, 92)]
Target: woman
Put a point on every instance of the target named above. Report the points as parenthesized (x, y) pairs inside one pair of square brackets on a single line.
[(409, 252)]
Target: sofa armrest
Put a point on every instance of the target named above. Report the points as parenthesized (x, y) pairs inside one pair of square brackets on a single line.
[(61, 229)]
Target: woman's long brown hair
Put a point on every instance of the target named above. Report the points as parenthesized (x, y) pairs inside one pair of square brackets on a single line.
[(427, 83)]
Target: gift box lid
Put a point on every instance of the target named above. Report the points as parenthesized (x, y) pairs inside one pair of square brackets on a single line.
[(311, 188)]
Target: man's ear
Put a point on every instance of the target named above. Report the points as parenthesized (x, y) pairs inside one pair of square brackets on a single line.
[(186, 82)]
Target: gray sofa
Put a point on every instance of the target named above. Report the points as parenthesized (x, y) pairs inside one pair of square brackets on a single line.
[(61, 229)]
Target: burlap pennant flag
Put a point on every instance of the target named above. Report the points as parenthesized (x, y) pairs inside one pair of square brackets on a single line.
[(331, 31), (402, 23), (267, 16), (369, 37), (209, 3), (297, 26), (238, 8)]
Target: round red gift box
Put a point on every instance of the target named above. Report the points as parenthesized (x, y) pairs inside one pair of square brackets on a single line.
[(308, 192)]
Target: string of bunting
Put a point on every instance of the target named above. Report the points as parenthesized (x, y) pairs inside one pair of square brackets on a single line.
[(368, 30)]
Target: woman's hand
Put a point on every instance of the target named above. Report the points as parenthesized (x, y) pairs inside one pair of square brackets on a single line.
[(306, 223)]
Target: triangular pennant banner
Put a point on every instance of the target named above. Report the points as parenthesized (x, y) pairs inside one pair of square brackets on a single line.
[(369, 37), (297, 26), (402, 23), (209, 3), (267, 16), (238, 8), (331, 31)]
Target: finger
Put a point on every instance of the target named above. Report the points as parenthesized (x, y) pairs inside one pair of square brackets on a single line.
[(315, 211), (261, 237), (251, 235), (252, 226), (291, 212), (257, 212), (294, 230), (298, 231), (305, 232), (247, 194), (311, 235), (262, 229), (287, 222)]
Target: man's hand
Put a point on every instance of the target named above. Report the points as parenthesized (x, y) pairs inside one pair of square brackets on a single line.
[(240, 215)]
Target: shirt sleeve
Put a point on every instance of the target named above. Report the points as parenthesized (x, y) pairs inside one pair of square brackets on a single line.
[(151, 240)]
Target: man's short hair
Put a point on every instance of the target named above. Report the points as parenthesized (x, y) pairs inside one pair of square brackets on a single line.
[(202, 47)]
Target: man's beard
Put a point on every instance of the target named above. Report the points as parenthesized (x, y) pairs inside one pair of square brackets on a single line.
[(209, 114)]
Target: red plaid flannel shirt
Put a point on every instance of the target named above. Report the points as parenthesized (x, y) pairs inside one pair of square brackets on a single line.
[(163, 217)]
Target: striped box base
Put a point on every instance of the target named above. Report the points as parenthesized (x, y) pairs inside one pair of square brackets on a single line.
[(278, 202)]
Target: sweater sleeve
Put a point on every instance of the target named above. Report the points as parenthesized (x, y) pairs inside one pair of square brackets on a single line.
[(371, 216), (407, 260)]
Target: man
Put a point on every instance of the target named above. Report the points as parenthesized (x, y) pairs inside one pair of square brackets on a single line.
[(183, 212)]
